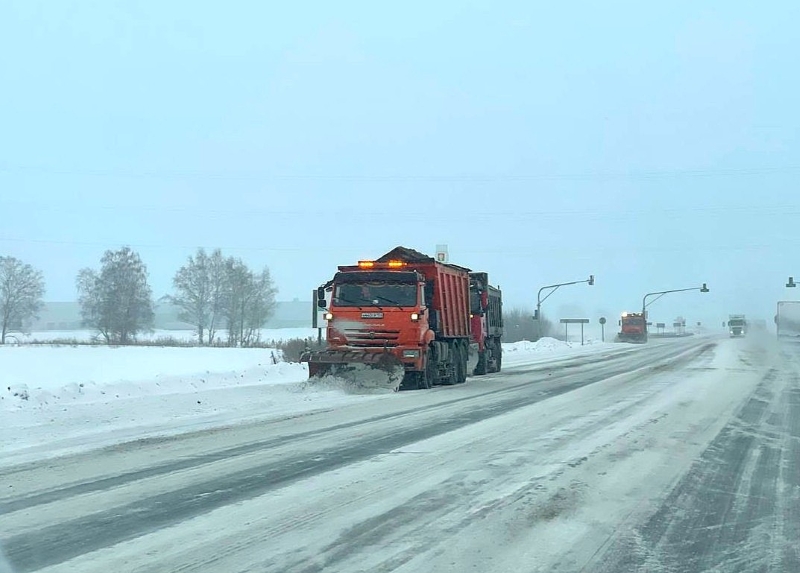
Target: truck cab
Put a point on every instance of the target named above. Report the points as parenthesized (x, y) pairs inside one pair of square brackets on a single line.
[(633, 327), (737, 325), (379, 310), (486, 317)]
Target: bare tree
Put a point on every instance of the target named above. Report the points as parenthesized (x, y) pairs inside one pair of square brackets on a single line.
[(520, 325), (192, 284), (21, 292), (237, 297), (117, 301), (260, 308), (248, 303), (217, 279)]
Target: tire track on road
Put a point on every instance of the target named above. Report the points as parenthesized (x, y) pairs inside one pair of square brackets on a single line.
[(738, 508), (187, 463), (61, 542)]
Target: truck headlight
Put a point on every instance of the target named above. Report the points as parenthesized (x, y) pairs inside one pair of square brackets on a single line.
[(410, 353), (415, 316), (328, 316)]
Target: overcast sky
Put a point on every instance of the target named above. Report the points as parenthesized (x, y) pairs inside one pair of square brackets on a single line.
[(655, 146)]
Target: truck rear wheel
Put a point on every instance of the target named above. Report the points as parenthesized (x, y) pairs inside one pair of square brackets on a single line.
[(454, 355)]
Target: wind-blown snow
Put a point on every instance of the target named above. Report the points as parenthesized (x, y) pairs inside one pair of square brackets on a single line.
[(55, 399), (59, 399), (526, 352)]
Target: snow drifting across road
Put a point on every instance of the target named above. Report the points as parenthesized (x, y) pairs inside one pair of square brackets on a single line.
[(56, 400), (522, 471), (526, 352), (61, 399)]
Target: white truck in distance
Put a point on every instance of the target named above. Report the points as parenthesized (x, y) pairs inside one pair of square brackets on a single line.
[(787, 320), (737, 325)]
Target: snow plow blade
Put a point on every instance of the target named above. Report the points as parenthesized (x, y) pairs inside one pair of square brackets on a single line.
[(356, 370)]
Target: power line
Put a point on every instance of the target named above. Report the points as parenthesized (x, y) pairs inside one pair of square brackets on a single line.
[(337, 214), (397, 178), (525, 251), (105, 245)]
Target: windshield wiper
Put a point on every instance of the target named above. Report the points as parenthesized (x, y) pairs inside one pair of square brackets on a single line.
[(354, 303), (390, 301)]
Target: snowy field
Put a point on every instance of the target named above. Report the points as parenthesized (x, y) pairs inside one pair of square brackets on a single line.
[(61, 399), (46, 336)]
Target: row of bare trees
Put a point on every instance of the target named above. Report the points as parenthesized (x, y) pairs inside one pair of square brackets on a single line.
[(212, 290), (213, 293), (519, 324)]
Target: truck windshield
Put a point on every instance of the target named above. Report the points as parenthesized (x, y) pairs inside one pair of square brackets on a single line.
[(375, 294)]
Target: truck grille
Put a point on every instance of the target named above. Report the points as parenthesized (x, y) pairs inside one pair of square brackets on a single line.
[(372, 338)]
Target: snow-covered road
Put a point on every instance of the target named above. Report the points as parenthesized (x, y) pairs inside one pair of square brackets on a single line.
[(679, 455)]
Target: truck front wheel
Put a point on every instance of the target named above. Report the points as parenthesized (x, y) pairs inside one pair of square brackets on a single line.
[(463, 355), (426, 377), (480, 368)]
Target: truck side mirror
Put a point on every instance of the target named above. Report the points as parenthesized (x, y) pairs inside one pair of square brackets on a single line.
[(321, 302)]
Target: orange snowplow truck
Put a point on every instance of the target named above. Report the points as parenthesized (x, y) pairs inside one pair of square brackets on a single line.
[(404, 312), (633, 327), (486, 304)]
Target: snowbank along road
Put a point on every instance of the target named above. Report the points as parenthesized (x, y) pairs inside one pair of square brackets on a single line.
[(678, 455)]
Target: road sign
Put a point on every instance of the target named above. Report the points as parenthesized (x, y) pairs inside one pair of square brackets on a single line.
[(567, 321), (441, 254)]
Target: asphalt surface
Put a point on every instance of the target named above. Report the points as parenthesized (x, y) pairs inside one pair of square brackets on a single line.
[(733, 507), (738, 508)]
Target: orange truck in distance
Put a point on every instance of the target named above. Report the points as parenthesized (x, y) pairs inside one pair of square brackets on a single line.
[(400, 321), (633, 327)]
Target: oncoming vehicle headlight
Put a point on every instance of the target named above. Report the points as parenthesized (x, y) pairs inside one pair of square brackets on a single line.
[(328, 316), (414, 316), (410, 353)]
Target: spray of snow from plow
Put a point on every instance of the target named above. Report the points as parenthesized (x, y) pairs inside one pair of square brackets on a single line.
[(360, 379)]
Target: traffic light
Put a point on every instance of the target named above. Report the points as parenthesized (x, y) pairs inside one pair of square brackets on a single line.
[(591, 280)]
